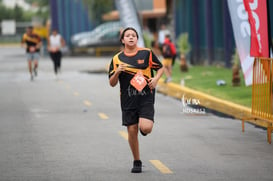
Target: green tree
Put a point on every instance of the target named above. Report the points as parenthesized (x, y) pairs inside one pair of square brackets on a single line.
[(40, 3), (18, 13), (5, 13), (43, 11)]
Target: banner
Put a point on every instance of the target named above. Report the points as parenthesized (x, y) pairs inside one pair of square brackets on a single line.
[(129, 17), (241, 30), (257, 16)]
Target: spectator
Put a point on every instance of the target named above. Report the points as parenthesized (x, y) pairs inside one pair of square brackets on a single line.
[(162, 33), (169, 54)]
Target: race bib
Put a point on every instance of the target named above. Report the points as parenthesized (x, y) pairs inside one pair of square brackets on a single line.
[(138, 81)]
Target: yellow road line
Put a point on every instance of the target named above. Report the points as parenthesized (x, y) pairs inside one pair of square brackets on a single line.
[(103, 116), (76, 93), (123, 134), (161, 167), (87, 103)]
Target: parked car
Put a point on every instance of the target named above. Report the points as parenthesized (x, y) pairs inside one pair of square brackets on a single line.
[(104, 35)]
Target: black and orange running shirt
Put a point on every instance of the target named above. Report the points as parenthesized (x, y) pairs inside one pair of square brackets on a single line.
[(143, 60), (31, 40)]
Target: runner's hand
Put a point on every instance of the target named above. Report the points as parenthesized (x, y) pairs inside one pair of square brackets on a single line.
[(32, 49), (152, 83), (121, 67)]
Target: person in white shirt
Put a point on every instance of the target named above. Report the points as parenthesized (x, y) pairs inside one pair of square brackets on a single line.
[(55, 43), (162, 33)]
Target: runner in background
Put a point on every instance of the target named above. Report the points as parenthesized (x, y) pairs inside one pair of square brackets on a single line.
[(32, 43), (55, 43)]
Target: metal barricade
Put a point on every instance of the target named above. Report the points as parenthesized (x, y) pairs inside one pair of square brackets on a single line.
[(262, 95)]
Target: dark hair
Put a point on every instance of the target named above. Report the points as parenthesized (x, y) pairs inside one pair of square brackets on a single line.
[(123, 33)]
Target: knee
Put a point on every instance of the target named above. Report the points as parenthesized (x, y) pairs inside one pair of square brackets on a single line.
[(146, 125), (146, 129)]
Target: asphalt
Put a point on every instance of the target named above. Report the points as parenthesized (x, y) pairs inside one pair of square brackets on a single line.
[(69, 128)]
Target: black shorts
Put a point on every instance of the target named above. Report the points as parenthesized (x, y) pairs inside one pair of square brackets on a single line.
[(131, 116)]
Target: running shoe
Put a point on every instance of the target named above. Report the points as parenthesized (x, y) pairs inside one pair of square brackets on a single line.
[(169, 79), (137, 168)]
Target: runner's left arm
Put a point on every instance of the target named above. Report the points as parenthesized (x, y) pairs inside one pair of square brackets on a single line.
[(156, 65)]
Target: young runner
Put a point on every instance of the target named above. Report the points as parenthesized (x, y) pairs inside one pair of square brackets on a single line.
[(32, 43), (55, 43), (134, 69)]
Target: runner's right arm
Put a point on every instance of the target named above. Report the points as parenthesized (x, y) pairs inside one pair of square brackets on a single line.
[(23, 42), (114, 77)]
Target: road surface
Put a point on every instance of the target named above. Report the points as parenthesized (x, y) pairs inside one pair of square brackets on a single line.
[(70, 129)]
